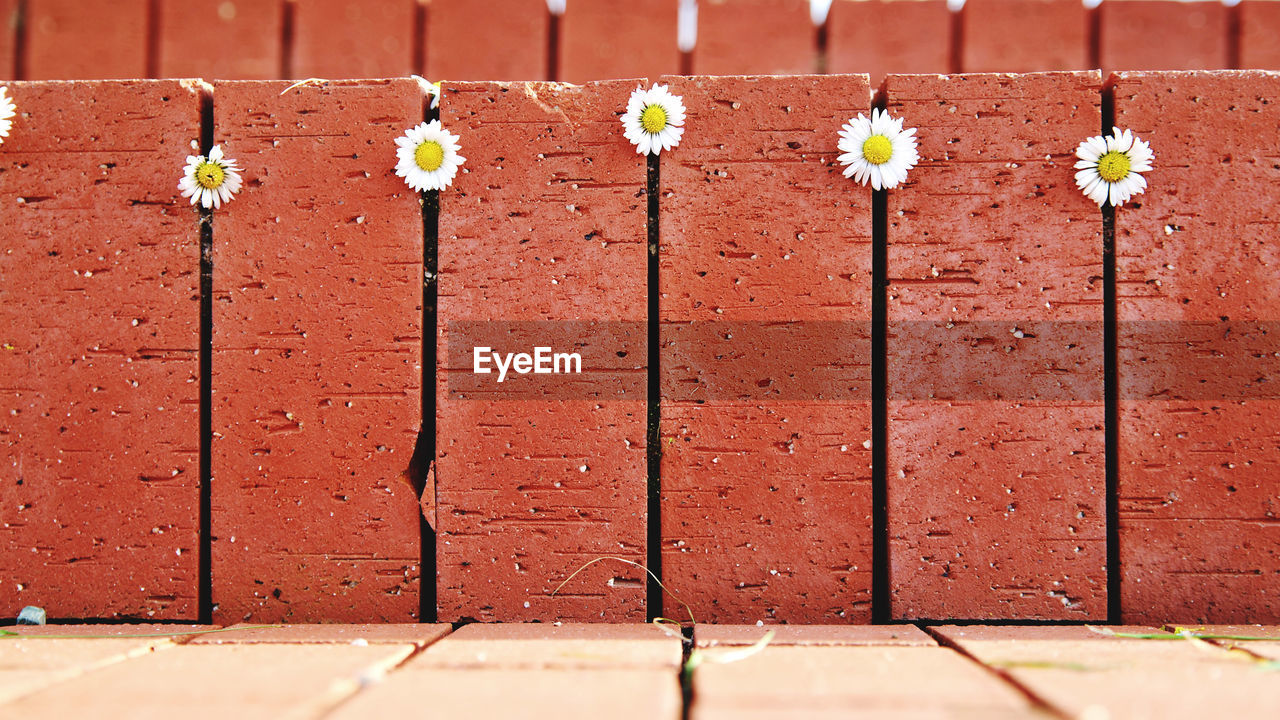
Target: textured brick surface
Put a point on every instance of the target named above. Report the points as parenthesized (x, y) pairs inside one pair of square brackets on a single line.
[(603, 39), (879, 37), (341, 39), (1024, 36), (811, 635), (99, 336), (317, 356), (766, 469), (1260, 34), (203, 681), (546, 222), (382, 634), (1196, 268), (995, 456), (1163, 35), (537, 645), (755, 37), (1083, 674), (879, 682), (223, 39), (495, 40), (29, 666), (8, 29), (73, 40), (505, 694)]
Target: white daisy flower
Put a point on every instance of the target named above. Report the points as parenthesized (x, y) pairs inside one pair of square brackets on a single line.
[(429, 156), (211, 180), (7, 111), (654, 120), (431, 89), (1111, 167), (878, 150)]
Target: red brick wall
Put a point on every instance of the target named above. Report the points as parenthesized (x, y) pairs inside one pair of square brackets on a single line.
[(995, 501)]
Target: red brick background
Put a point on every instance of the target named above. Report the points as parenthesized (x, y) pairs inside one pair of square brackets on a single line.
[(1199, 540), (99, 335), (545, 223), (766, 481), (995, 479), (1163, 35), (754, 37), (317, 364)]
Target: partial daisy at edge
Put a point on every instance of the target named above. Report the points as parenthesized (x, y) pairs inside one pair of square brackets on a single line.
[(210, 180), (877, 150), (1110, 167), (428, 156), (654, 120), (7, 112)]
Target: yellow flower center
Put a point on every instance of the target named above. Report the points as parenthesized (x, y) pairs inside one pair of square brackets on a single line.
[(877, 149), (653, 119), (1114, 166), (429, 156), (210, 175)]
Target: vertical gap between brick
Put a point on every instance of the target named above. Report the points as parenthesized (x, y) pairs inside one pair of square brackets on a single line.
[(424, 455), (1111, 386), (20, 41), (151, 58), (955, 42), (653, 409), (1000, 674), (553, 45), (1094, 37), (688, 643), (204, 592), (1235, 28), (419, 50), (881, 612), (287, 23), (821, 42)]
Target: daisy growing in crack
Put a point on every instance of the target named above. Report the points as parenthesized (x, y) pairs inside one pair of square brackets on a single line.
[(7, 111), (654, 120), (431, 89), (877, 151), (210, 181), (428, 156), (1110, 168)]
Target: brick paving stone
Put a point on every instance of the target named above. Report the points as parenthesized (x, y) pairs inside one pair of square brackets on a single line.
[(495, 40), (1163, 35), (755, 37), (810, 635), (222, 39), (880, 37), (1024, 36), (75, 40), (339, 39), (380, 634), (604, 39)]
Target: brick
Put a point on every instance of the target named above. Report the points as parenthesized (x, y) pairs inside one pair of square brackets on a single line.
[(220, 681), (9, 11), (544, 225), (879, 37), (318, 287), (811, 635), (1163, 35), (341, 39), (766, 468), (381, 634), (755, 37), (1024, 36), (576, 694), (462, 36), (878, 682), (1083, 674), (74, 40), (1259, 34), (515, 646), (99, 371), (171, 631), (995, 354), (28, 666), (1199, 539), (224, 39), (602, 39)]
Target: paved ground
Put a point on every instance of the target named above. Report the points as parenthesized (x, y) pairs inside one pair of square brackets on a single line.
[(634, 671)]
